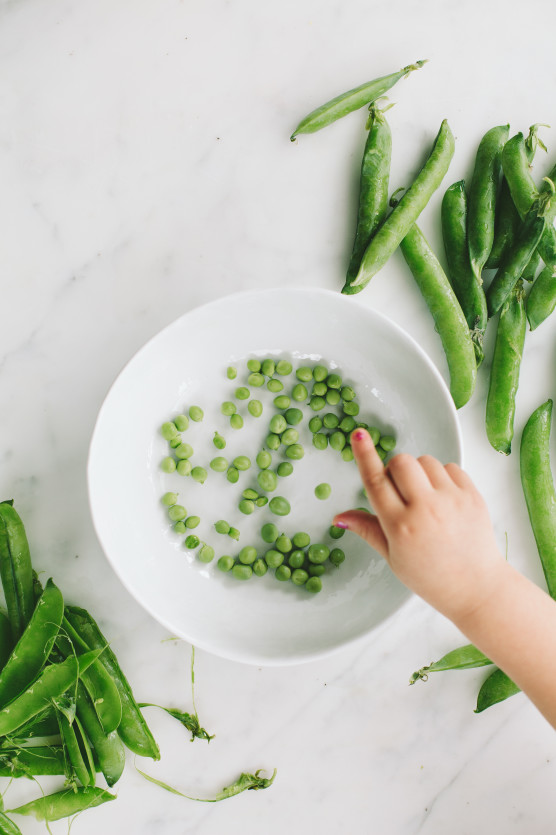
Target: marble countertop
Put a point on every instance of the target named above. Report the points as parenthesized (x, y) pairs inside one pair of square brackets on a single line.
[(146, 168)]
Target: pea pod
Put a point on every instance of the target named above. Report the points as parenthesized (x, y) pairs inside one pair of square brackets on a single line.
[(32, 761), (41, 725), (352, 100), (79, 759), (463, 658), (541, 300), (504, 372), (52, 682), (468, 290), (393, 230), (482, 197), (446, 312), (108, 748), (34, 646), (62, 804), (15, 569), (373, 188), (538, 489), (133, 729), (7, 826), (496, 688), (6, 639)]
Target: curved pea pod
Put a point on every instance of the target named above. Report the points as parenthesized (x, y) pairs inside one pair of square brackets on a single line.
[(133, 729), (446, 312), (108, 748), (79, 758), (34, 646), (7, 826), (463, 658), (32, 761), (538, 489), (97, 679), (346, 103), (541, 300), (6, 639), (497, 688), (504, 372), (62, 804), (506, 224), (469, 291), (16, 571), (53, 681)]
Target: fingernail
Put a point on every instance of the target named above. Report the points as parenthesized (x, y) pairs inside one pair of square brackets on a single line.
[(359, 435), (341, 525)]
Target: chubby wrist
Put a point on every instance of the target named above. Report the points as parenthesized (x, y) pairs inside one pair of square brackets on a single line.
[(486, 593)]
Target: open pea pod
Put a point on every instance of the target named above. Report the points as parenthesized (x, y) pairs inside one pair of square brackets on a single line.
[(108, 748), (62, 804), (16, 571), (78, 755)]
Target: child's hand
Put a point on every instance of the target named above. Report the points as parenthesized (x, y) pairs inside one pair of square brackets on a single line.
[(431, 525)]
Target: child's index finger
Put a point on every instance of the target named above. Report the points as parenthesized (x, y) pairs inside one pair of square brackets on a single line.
[(380, 489)]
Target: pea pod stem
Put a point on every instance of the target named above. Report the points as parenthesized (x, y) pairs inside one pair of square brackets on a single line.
[(352, 100), (15, 569), (393, 230)]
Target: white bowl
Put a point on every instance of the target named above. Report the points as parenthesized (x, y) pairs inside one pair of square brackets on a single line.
[(261, 621)]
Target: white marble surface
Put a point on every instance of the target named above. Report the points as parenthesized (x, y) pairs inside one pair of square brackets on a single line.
[(146, 168)]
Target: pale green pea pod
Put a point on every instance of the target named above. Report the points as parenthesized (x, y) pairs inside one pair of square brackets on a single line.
[(462, 658)]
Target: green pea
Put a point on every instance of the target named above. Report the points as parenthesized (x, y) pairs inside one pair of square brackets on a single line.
[(169, 499), (323, 491), (347, 424), (233, 533), (196, 413), (222, 526), (219, 464), (363, 426), (317, 403), (337, 441), (320, 373), (299, 392), (250, 494), (182, 422), (284, 469), (256, 380), (242, 393), (277, 424), (261, 501), (231, 372), (316, 570), (319, 389), (241, 462), (335, 532), (269, 532), (168, 464), (177, 513), (268, 480), (192, 541), (299, 577), (296, 559), (347, 393), (255, 408), (381, 453), (184, 451), (283, 573), (375, 434), (290, 436), (318, 553), (175, 442), (279, 505), (330, 420), (314, 584), (168, 430), (218, 441), (273, 441), (260, 568), (232, 475), (253, 365), (283, 367), (282, 402), (334, 381), (263, 459), (301, 539), (228, 408), (351, 408), (247, 555), (206, 554), (246, 506), (294, 416), (199, 474), (387, 442), (347, 454), (304, 373), (242, 572), (320, 440), (295, 451), (268, 367), (179, 527), (225, 563), (315, 424), (236, 421), (275, 385), (273, 558), (192, 522), (283, 544), (336, 557), (332, 397)]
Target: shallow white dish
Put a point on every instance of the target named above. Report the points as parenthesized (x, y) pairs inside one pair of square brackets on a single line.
[(261, 621)]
